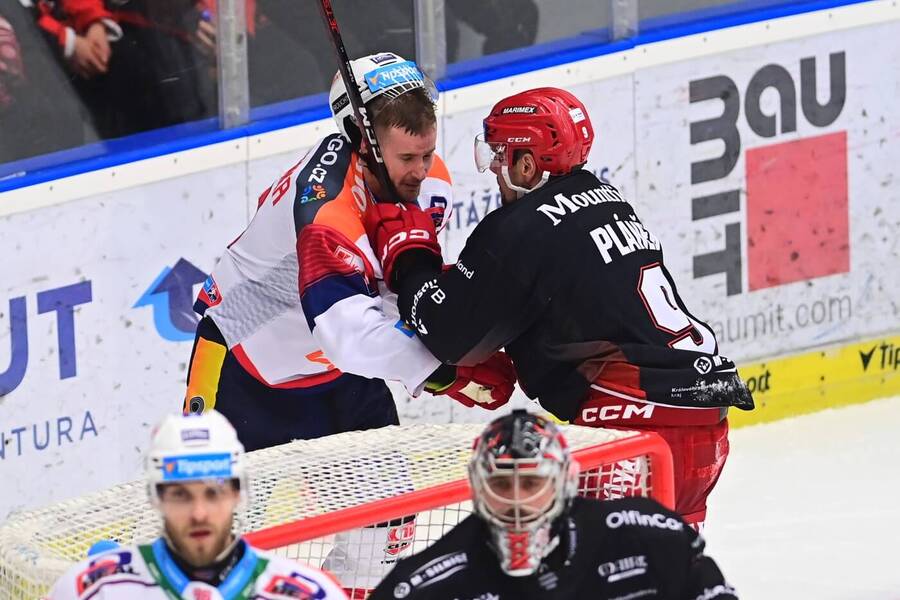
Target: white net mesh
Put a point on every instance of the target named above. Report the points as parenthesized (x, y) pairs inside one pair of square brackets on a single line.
[(414, 474)]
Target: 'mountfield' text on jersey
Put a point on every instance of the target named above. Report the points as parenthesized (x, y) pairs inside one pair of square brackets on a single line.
[(573, 285)]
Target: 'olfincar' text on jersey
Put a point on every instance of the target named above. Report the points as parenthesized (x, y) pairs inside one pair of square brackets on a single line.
[(296, 296), (573, 285), (149, 572), (614, 549)]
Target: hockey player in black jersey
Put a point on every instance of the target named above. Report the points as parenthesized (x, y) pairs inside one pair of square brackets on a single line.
[(530, 537), (571, 283)]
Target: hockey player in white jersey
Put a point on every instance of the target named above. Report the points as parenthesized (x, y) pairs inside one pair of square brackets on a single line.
[(197, 480), (297, 330)]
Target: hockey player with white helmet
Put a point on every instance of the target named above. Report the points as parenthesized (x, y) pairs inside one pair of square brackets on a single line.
[(196, 478), (531, 537), (297, 332)]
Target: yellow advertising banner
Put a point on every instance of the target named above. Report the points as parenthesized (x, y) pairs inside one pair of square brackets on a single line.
[(825, 378)]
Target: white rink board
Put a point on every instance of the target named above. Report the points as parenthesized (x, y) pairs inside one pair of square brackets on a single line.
[(850, 303), (189, 206), (71, 429)]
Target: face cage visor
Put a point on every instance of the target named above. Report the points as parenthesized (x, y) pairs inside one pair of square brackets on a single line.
[(520, 501), (493, 156), (489, 155), (517, 499)]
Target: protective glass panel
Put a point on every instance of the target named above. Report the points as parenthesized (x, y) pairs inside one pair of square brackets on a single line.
[(478, 28), (97, 80), (291, 56), (665, 13)]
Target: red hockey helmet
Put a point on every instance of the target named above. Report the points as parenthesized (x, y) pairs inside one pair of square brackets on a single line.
[(550, 122)]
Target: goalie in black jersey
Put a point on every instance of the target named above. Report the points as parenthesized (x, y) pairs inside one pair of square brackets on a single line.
[(566, 277), (530, 537)]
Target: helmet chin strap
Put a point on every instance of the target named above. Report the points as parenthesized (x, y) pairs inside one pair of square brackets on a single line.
[(519, 190)]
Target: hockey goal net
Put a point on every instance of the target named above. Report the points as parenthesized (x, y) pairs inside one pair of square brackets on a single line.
[(352, 503)]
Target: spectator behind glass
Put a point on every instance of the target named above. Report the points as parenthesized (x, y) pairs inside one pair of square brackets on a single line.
[(290, 55), (506, 24), (39, 109), (138, 64)]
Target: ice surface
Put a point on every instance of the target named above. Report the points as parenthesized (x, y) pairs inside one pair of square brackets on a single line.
[(809, 507)]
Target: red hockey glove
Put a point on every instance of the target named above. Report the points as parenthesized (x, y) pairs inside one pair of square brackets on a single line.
[(395, 228), (488, 385)]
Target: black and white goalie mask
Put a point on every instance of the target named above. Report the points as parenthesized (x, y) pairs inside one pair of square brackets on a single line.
[(523, 479)]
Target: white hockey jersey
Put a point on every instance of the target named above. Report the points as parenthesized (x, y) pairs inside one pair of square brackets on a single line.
[(298, 296), (148, 572)]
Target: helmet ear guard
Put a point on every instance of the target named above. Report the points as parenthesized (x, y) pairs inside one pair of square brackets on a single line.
[(191, 448)]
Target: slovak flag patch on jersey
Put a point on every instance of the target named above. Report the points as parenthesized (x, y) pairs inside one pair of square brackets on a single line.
[(210, 293), (294, 586)]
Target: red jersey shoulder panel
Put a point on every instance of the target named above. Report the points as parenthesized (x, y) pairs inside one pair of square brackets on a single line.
[(323, 250)]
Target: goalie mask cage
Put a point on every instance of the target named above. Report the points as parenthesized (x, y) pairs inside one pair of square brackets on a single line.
[(352, 503)]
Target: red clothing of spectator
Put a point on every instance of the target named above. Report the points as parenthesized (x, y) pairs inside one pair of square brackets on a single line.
[(63, 34), (81, 14)]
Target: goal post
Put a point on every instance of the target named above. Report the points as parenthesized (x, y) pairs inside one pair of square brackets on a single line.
[(352, 503)]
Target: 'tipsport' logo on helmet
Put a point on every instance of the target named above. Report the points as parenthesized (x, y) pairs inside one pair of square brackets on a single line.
[(200, 466), (391, 75)]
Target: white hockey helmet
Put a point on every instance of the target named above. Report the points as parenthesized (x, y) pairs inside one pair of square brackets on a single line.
[(523, 479), (378, 75), (195, 448)]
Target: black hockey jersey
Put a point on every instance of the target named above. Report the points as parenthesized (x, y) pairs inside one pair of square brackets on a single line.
[(629, 548), (572, 284)]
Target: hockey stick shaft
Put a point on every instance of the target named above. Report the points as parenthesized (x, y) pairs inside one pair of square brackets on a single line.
[(369, 138)]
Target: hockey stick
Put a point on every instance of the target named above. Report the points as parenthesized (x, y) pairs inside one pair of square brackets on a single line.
[(359, 109)]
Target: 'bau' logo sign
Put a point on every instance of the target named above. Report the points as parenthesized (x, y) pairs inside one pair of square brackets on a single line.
[(795, 226)]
